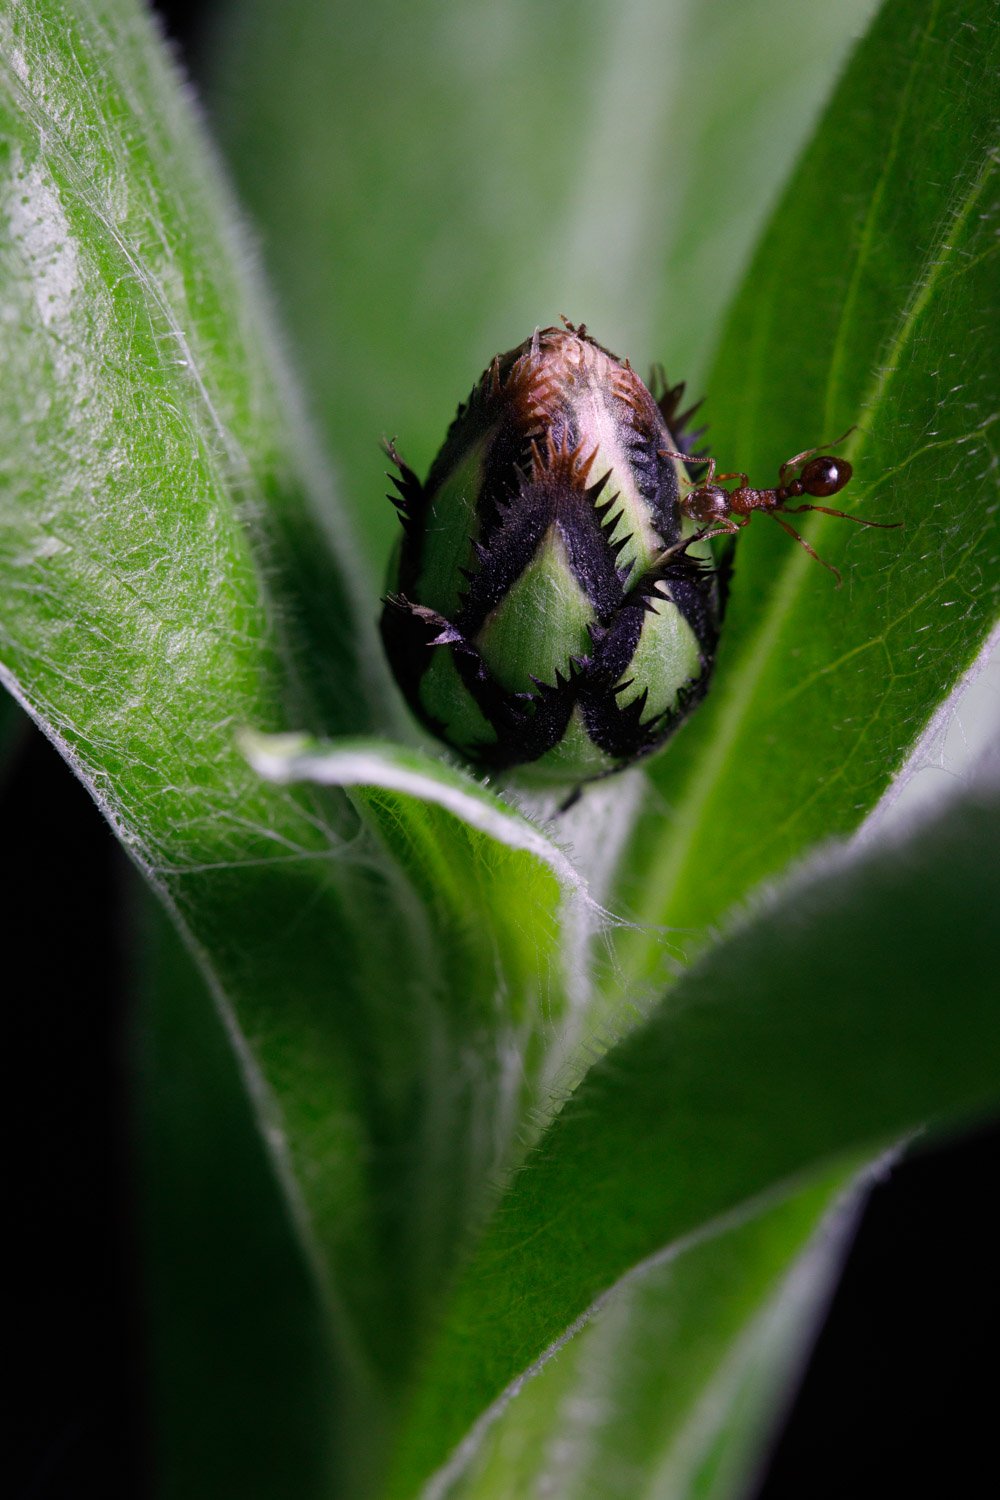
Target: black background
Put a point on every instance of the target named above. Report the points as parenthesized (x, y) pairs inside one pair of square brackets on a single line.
[(899, 1398)]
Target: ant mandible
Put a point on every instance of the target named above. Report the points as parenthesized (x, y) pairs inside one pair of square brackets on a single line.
[(726, 512)]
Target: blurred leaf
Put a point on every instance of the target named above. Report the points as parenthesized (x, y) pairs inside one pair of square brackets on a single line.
[(241, 1375), (859, 1003), (491, 999), (431, 181), (671, 1387), (872, 299)]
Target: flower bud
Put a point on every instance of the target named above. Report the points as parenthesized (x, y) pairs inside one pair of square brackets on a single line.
[(537, 617)]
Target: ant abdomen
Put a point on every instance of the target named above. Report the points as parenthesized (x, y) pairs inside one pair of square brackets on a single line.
[(825, 476)]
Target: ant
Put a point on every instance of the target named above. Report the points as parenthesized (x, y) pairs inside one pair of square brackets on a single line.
[(726, 512)]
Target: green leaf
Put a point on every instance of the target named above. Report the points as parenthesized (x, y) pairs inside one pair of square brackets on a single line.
[(166, 581), (237, 1338), (871, 300), (859, 1003), (422, 786), (156, 494), (497, 987), (431, 182), (669, 1387)]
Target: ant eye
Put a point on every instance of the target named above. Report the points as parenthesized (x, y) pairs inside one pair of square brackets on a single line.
[(825, 476)]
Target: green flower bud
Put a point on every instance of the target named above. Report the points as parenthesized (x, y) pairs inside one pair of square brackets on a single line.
[(536, 615)]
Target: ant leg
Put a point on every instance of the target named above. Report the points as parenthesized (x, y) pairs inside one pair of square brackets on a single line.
[(793, 463), (689, 458), (738, 475), (858, 520), (837, 441), (729, 527), (803, 543)]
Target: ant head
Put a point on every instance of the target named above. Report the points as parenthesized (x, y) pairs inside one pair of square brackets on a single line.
[(708, 502), (825, 476)]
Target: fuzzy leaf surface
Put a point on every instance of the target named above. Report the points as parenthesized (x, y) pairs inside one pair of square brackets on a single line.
[(859, 1003), (501, 921), (669, 1389)]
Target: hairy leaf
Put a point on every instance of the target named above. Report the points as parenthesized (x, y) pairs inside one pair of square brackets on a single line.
[(859, 1003), (669, 1388), (153, 501), (499, 981)]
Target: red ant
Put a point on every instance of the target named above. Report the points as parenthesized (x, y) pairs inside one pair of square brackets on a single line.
[(728, 511)]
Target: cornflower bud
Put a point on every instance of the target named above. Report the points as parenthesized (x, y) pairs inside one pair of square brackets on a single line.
[(543, 612)]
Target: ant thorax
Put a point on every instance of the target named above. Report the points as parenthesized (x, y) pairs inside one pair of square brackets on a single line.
[(744, 499)]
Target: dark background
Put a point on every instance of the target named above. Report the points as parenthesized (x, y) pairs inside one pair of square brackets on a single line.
[(899, 1397)]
